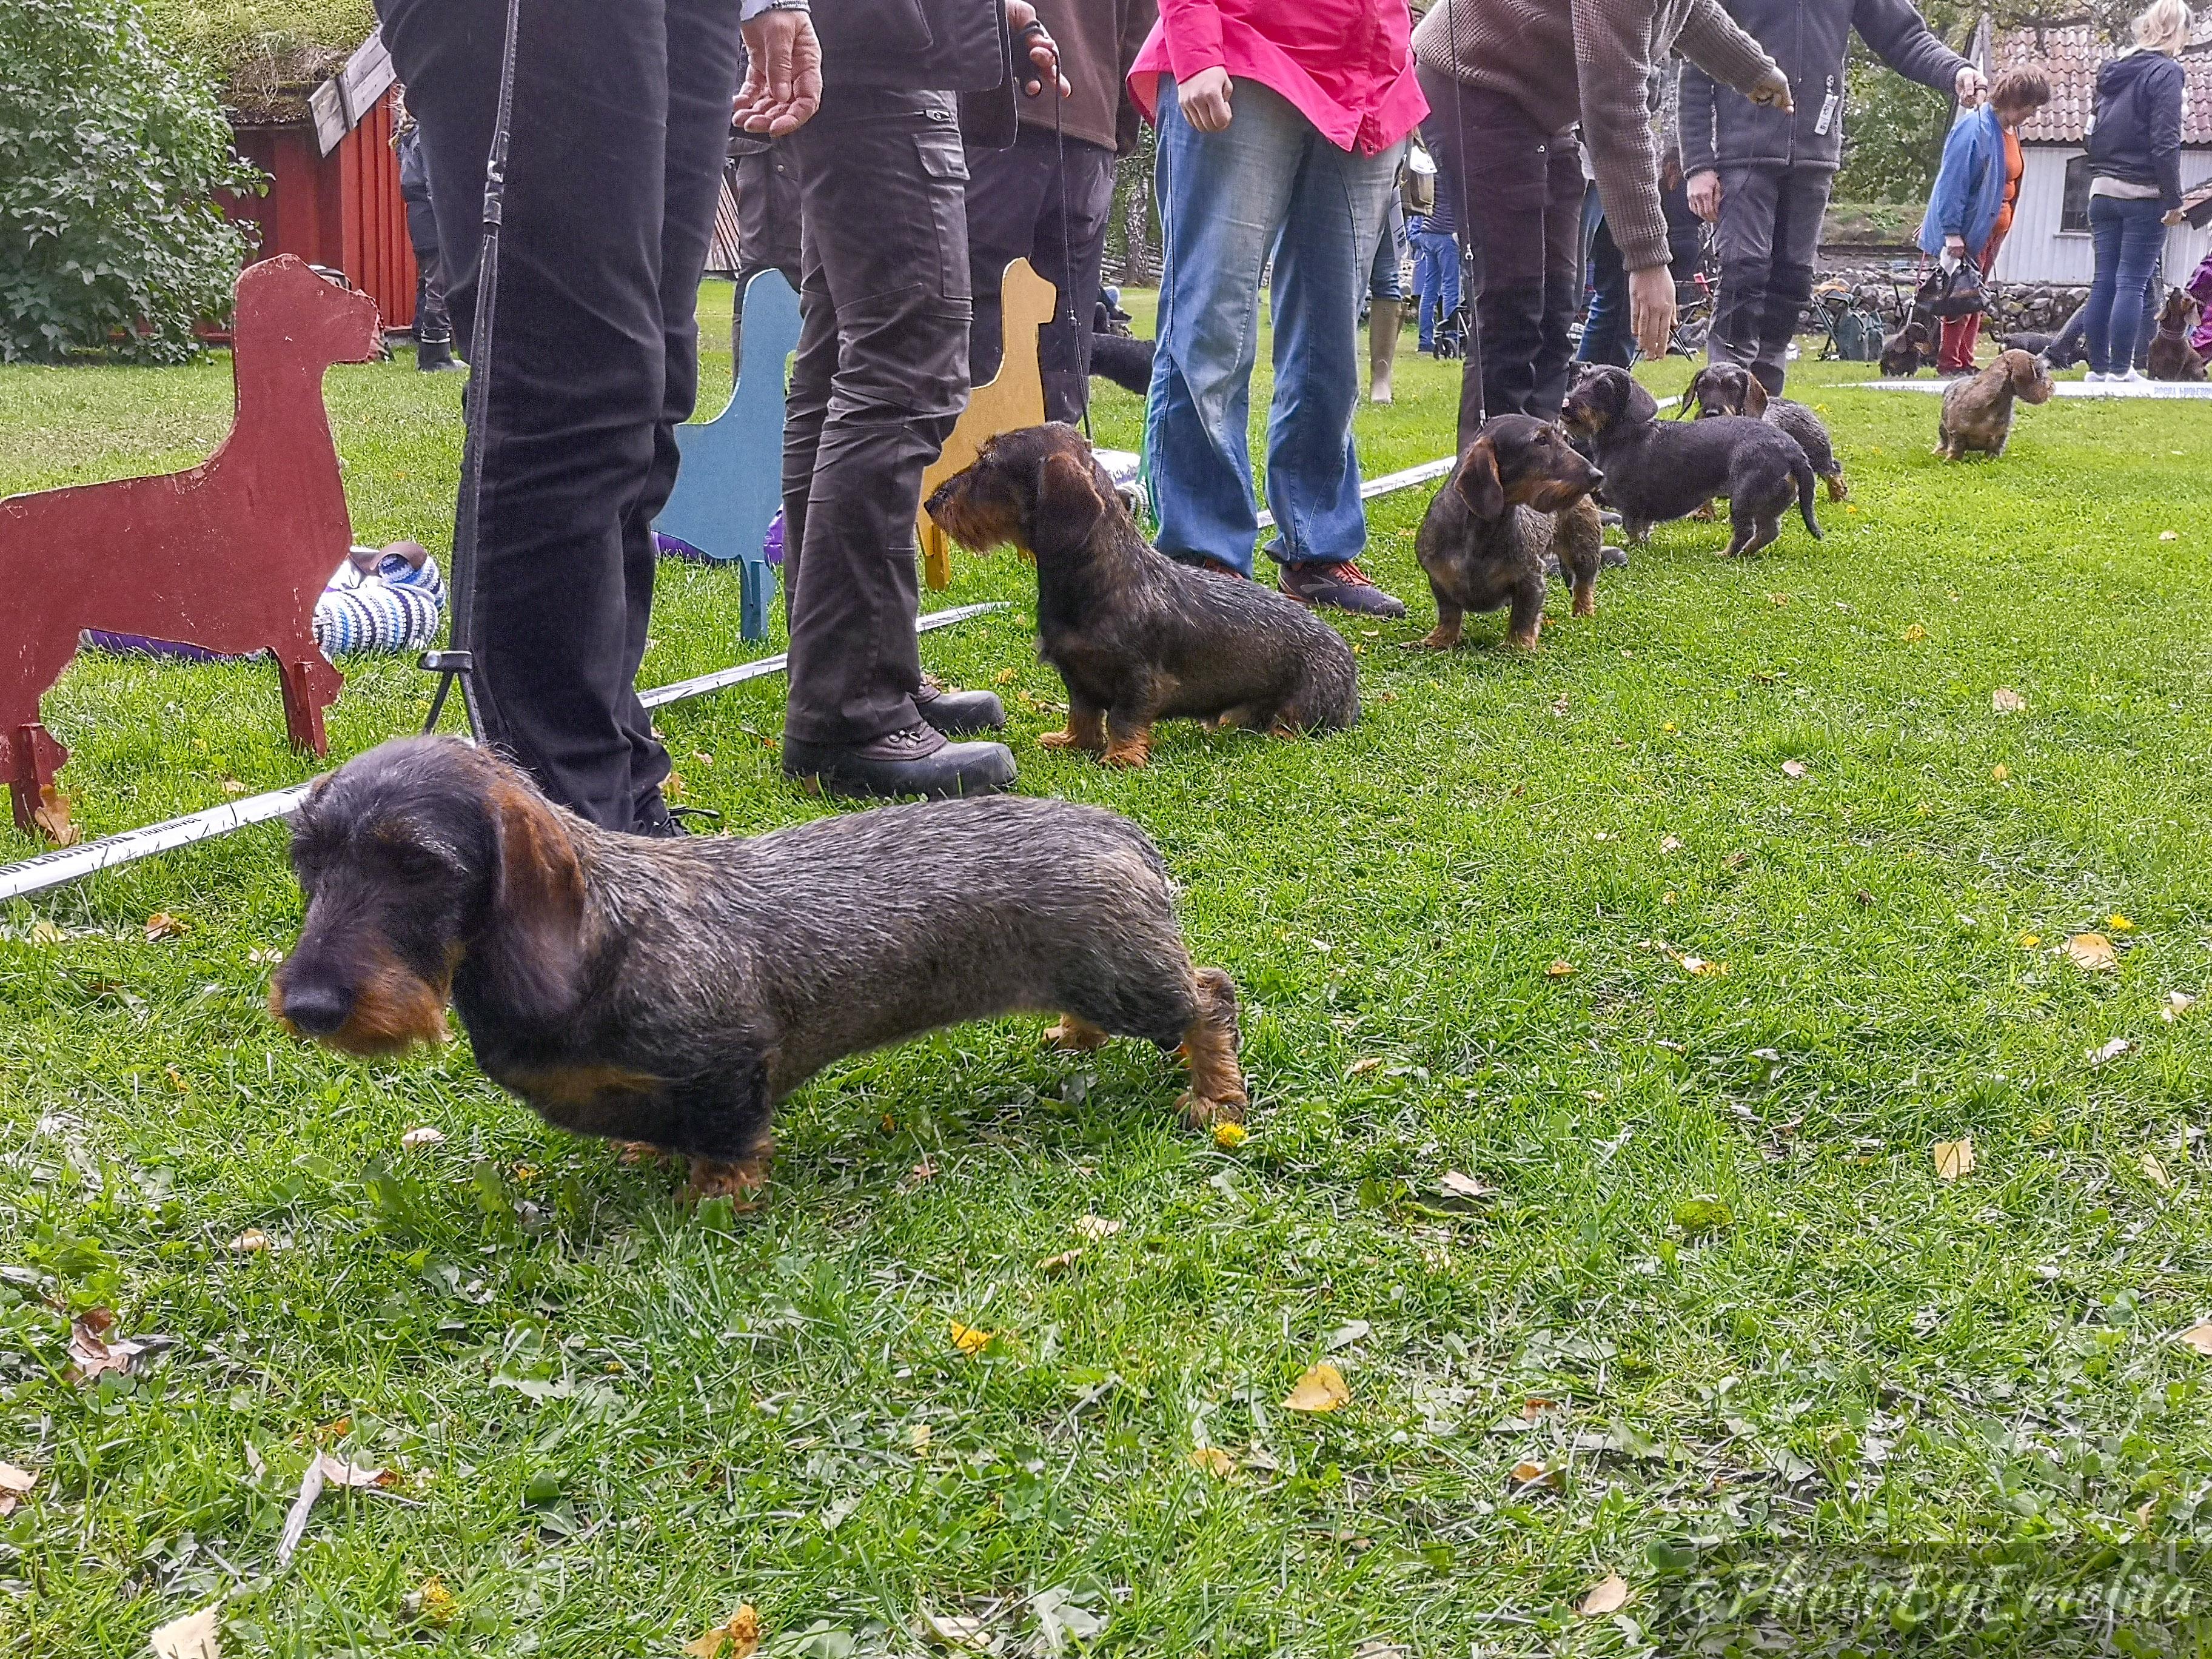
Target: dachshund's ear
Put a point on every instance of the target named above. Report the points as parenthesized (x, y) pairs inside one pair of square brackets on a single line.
[(1478, 482), (1754, 396), (1068, 507), (1693, 396), (1637, 402), (531, 946)]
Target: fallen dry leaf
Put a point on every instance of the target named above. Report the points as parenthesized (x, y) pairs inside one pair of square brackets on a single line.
[(735, 1638), (2111, 1051), (195, 1635), (1230, 1136), (1670, 844), (341, 1471), (1361, 1067), (263, 955), (1061, 1263), (1535, 1408), (1915, 633), (1608, 1594), (93, 1354), (232, 786), (969, 1634), (1793, 769), (2000, 773), (1953, 1157), (2092, 953), (966, 1338), (250, 1240), (51, 817), (45, 932), (2006, 700), (2169, 535), (162, 925), (15, 1484), (1534, 1475), (2178, 1003), (1559, 969), (1465, 1186), (1213, 1460), (424, 1136), (1699, 965), (2198, 1337), (2155, 1172), (1007, 676), (1320, 1389), (1096, 1227), (925, 1170)]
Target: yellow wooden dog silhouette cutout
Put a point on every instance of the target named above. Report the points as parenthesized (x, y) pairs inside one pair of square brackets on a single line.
[(1012, 400)]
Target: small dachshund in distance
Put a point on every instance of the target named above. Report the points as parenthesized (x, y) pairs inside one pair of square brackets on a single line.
[(2171, 356), (1136, 637), (1978, 409), (672, 993), (1657, 470), (1903, 352), (1519, 496), (1732, 389)]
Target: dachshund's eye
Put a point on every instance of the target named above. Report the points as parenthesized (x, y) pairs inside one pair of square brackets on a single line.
[(417, 863)]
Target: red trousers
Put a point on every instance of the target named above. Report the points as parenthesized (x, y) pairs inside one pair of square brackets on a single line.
[(1961, 334)]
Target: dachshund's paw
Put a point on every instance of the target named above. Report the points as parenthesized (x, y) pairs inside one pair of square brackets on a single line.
[(637, 1151), (743, 1182), (1438, 638), (1198, 1112), (1079, 1034)]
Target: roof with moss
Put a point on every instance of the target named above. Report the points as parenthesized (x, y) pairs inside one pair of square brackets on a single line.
[(265, 55)]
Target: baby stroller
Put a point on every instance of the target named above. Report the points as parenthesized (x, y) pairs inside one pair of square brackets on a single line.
[(1451, 334)]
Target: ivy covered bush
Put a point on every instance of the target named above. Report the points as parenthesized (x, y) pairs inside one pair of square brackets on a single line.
[(110, 154)]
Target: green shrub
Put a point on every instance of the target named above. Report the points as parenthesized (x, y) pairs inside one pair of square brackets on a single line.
[(110, 157)]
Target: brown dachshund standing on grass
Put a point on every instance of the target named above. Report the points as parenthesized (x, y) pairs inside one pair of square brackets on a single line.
[(1518, 496), (672, 992), (1978, 409), (1136, 637)]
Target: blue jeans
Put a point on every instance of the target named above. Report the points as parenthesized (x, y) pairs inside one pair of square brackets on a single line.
[(1435, 280), (2129, 238), (1270, 182), (1387, 280)]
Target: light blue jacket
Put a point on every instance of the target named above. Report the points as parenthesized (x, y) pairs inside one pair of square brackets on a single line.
[(1970, 188)]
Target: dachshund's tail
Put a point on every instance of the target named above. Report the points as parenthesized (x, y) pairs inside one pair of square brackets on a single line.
[(1807, 481)]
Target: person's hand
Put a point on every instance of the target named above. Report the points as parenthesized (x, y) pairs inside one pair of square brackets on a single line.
[(1651, 308), (2173, 217), (1705, 194), (1204, 99), (1970, 85), (1044, 52), (1772, 89), (1954, 247), (783, 74)]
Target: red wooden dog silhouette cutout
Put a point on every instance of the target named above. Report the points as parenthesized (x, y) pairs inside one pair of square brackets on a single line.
[(230, 555)]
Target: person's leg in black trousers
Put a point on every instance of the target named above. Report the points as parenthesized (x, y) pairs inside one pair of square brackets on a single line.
[(620, 119), (1745, 237), (880, 377), (1562, 279), (1801, 203), (1015, 198), (433, 324)]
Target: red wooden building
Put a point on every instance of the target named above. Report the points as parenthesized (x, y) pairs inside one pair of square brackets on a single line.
[(333, 195)]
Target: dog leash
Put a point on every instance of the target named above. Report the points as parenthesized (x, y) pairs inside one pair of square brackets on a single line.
[(1078, 328), (457, 664)]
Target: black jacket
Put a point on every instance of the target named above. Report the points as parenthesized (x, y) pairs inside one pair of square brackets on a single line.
[(913, 46), (2136, 133), (1810, 38)]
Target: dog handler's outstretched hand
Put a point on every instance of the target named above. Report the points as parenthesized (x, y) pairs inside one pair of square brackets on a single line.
[(1651, 308), (783, 72), (1774, 91), (1022, 19)]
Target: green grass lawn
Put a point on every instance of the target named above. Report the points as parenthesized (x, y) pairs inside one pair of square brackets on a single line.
[(1713, 1321)]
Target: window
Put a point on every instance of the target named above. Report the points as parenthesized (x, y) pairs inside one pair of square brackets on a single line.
[(2074, 206)]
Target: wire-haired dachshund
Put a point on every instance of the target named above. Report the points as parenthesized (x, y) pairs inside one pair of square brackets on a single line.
[(1657, 470), (1978, 409), (672, 992), (2171, 356), (1732, 389), (1136, 637), (1903, 352), (1519, 496)]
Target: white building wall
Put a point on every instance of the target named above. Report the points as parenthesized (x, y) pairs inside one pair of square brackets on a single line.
[(2037, 250)]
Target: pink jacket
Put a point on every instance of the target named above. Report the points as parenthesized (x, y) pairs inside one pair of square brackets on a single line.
[(1346, 65)]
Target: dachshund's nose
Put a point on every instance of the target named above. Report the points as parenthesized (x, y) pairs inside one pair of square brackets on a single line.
[(1596, 477), (318, 1010)]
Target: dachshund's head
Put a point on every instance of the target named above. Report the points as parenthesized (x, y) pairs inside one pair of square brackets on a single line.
[(421, 854), (2180, 314), (1606, 400), (1516, 460), (1038, 490), (1723, 389), (2029, 374)]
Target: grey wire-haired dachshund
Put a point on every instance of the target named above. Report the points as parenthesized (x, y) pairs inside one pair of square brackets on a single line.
[(669, 992)]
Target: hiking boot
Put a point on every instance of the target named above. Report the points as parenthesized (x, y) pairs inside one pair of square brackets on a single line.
[(436, 357), (1338, 582), (1207, 562), (958, 714), (916, 761), (658, 818)]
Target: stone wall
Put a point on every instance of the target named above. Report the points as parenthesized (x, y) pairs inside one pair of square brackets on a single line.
[(1878, 285)]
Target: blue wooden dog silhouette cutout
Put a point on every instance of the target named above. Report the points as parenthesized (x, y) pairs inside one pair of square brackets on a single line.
[(730, 482)]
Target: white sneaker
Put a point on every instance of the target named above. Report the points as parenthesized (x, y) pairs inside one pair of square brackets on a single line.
[(2132, 377), (2095, 377)]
